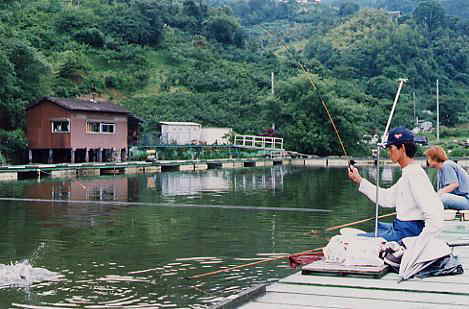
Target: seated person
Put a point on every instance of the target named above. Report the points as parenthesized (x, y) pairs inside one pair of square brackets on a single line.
[(452, 179)]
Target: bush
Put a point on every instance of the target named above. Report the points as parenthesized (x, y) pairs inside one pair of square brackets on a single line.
[(12, 145), (454, 132), (459, 151), (224, 29), (112, 81), (3, 160), (133, 27), (92, 36), (138, 155), (74, 66), (71, 20), (127, 81), (124, 54)]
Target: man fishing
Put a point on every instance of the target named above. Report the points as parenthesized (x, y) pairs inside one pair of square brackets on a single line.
[(419, 209)]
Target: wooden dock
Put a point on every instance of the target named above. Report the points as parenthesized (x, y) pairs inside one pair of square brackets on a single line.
[(14, 172), (318, 291)]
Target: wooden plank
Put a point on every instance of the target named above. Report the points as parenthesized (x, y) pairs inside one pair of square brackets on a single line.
[(300, 291), (459, 279), (411, 285), (339, 301), (367, 293), (321, 266), (256, 305), (241, 298)]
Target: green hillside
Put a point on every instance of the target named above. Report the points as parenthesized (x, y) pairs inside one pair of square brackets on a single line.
[(211, 62)]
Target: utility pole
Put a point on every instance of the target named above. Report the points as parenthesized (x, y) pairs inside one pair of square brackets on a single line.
[(415, 117), (437, 111), (273, 88)]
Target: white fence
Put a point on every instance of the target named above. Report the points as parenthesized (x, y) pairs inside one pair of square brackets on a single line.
[(259, 142)]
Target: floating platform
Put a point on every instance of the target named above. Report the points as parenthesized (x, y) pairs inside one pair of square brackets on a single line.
[(317, 291), (14, 172)]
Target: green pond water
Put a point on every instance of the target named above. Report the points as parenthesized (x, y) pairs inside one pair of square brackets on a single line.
[(139, 255)]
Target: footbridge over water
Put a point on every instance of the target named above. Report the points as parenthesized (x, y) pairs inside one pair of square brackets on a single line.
[(274, 145), (258, 142)]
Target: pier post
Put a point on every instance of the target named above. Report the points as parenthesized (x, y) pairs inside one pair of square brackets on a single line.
[(124, 154), (72, 155), (51, 156)]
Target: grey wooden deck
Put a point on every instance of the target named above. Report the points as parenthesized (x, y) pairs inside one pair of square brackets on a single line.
[(305, 291)]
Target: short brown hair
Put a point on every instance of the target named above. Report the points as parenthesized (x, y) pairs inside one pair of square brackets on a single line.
[(436, 153)]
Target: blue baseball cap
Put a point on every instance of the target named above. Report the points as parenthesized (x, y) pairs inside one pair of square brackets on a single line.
[(399, 135)]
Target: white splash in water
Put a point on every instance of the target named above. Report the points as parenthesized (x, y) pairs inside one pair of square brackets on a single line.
[(23, 274)]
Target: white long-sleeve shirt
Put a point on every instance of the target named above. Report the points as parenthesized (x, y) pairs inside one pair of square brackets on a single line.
[(413, 197)]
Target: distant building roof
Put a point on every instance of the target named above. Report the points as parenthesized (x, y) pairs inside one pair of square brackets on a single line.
[(83, 105), (395, 13), (174, 123)]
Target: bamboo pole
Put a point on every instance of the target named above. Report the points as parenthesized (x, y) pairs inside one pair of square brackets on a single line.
[(357, 222), (285, 256), (251, 264)]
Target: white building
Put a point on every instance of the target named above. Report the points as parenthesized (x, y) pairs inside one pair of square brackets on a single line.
[(180, 133), (183, 133), (218, 136)]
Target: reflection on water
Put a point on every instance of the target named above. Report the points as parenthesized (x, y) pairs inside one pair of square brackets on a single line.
[(174, 184), (169, 184), (140, 255), (386, 174), (105, 189)]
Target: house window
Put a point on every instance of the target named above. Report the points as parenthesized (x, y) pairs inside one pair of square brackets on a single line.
[(60, 126), (107, 128), (100, 127), (93, 127)]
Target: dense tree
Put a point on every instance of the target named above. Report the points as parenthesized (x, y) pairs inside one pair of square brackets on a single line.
[(224, 29), (431, 16), (405, 6), (189, 60), (134, 27), (348, 8), (458, 8), (450, 109)]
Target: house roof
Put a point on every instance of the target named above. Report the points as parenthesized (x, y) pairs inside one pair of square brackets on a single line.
[(173, 123), (83, 105), (135, 119)]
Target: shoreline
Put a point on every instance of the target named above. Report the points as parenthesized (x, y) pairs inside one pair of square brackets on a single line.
[(59, 170)]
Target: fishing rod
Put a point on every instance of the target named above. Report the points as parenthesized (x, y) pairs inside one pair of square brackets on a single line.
[(198, 276), (382, 145), (252, 264), (302, 68), (333, 228)]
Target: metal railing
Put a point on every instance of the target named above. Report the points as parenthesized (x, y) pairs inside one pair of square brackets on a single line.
[(259, 142)]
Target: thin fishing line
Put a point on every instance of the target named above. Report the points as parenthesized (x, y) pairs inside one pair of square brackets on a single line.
[(307, 73), (169, 205)]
